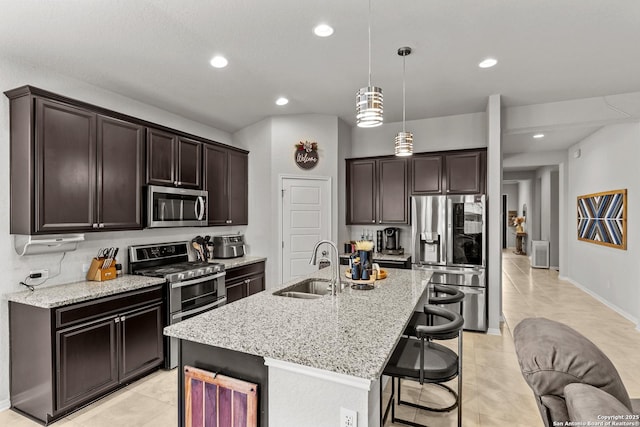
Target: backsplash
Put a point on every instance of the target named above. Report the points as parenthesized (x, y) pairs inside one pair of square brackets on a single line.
[(70, 270), (356, 232)]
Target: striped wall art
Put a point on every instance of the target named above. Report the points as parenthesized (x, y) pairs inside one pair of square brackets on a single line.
[(602, 218), (213, 400)]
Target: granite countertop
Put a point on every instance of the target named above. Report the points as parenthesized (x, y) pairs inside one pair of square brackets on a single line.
[(59, 295), (353, 333), (237, 262), (384, 257)]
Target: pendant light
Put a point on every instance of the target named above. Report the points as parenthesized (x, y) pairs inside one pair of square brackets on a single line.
[(404, 139), (369, 99)]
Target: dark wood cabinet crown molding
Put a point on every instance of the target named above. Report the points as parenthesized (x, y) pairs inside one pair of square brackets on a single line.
[(35, 91)]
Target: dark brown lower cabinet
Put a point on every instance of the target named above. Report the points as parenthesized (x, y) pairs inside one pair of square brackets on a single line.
[(65, 357), (244, 281), (80, 377)]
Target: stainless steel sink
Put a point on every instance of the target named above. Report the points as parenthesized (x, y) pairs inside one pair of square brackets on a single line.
[(307, 289)]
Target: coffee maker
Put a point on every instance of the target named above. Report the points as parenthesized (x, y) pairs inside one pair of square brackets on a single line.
[(392, 241)]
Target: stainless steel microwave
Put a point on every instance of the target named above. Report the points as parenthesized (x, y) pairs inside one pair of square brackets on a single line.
[(176, 207)]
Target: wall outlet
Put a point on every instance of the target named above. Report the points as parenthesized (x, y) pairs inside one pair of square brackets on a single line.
[(44, 274), (348, 418), (85, 267)]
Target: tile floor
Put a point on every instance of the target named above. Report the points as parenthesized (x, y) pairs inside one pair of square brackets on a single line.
[(494, 392)]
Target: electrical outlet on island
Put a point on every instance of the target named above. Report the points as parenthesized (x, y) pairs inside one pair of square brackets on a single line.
[(348, 418)]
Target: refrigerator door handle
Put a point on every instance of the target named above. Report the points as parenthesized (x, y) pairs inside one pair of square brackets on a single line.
[(449, 218), (484, 230)]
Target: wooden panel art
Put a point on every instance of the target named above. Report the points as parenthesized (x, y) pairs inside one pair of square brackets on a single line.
[(602, 218), (218, 401)]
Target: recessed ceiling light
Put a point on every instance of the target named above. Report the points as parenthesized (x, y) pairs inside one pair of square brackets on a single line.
[(282, 101), (488, 63), (219, 61), (323, 30), (538, 135)]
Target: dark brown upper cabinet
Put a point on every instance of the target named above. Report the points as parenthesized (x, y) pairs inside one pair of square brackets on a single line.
[(225, 173), (65, 168), (87, 172), (465, 172), (173, 160), (77, 167), (120, 174), (426, 174), (377, 191)]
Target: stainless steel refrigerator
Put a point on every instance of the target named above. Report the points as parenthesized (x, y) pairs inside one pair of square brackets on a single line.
[(449, 238)]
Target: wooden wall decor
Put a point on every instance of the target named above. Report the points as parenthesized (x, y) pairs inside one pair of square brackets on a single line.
[(217, 400), (602, 218)]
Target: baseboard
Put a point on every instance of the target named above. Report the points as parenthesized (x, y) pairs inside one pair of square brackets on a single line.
[(494, 331), (612, 306), (5, 404)]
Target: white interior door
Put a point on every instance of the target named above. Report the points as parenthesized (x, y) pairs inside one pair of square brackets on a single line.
[(306, 218)]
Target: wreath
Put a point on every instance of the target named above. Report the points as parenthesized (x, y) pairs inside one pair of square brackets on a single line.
[(307, 146)]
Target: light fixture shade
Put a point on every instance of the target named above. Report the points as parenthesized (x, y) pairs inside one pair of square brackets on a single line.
[(404, 144), (369, 110)]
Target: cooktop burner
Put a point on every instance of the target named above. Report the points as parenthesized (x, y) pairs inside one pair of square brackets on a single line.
[(182, 270)]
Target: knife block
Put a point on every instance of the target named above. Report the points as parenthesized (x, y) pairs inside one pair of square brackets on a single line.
[(98, 274)]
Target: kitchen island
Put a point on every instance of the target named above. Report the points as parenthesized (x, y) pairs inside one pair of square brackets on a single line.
[(310, 357)]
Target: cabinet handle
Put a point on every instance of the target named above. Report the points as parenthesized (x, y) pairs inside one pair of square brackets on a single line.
[(179, 182), (229, 221), (175, 182), (247, 281), (373, 221), (94, 225), (123, 318), (101, 225), (116, 320)]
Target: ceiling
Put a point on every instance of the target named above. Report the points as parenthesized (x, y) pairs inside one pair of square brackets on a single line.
[(158, 52)]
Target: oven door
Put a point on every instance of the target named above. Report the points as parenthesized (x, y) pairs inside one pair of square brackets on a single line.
[(188, 299), (192, 297), (176, 207)]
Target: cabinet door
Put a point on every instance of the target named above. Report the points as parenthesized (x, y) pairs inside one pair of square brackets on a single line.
[(393, 194), (161, 157), (215, 182), (255, 284), (66, 168), (189, 163), (426, 174), (361, 192), (120, 164), (236, 291), (463, 173), (238, 187), (87, 361), (141, 341)]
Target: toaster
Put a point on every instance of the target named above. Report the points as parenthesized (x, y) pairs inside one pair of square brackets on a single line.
[(228, 246)]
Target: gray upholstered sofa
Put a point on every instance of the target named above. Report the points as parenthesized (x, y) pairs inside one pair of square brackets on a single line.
[(572, 380)]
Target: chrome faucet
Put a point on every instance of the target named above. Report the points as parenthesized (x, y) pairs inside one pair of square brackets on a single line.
[(336, 283)]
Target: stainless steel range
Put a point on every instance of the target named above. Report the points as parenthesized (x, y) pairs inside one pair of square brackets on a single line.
[(192, 287)]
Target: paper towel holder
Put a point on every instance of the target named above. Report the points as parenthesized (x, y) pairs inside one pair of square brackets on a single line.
[(52, 243)]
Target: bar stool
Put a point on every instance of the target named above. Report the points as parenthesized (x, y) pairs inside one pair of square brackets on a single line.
[(418, 358), (440, 295)]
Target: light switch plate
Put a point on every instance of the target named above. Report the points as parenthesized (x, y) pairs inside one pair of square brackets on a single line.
[(348, 418)]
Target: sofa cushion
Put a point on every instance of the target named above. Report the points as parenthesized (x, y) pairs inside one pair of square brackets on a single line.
[(553, 355), (587, 403)]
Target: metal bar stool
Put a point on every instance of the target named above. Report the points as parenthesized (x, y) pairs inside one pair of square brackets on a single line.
[(439, 295), (418, 358)]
